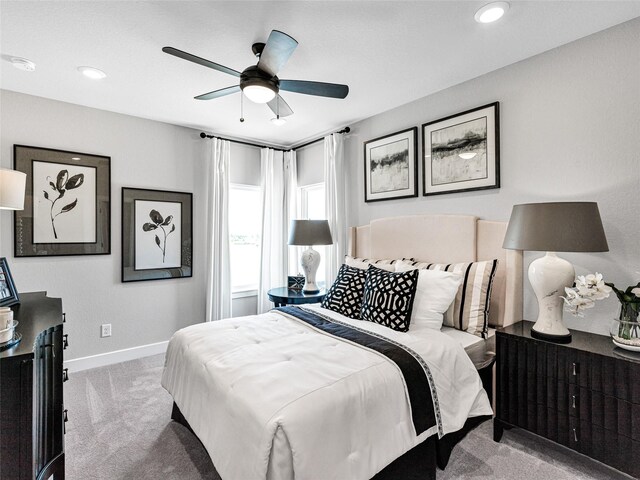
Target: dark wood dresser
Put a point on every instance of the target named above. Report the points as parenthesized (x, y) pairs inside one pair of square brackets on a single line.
[(584, 395), (32, 414)]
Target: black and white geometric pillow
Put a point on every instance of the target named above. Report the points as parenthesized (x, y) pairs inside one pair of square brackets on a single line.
[(345, 295), (388, 298)]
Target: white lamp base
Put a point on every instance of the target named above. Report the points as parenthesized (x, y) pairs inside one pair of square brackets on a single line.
[(309, 261), (549, 275)]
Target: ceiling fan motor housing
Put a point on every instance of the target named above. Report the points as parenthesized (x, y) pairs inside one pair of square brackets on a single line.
[(254, 76)]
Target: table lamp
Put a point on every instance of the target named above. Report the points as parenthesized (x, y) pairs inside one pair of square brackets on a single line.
[(554, 227), (308, 233), (12, 185)]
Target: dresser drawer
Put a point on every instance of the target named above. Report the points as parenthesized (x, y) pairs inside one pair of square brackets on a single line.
[(615, 377), (567, 398)]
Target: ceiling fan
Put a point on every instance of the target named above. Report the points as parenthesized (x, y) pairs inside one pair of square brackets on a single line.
[(260, 82)]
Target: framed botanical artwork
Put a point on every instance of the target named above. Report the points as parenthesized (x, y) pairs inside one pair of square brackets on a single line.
[(67, 206), (157, 234), (462, 152), (8, 293), (391, 166)]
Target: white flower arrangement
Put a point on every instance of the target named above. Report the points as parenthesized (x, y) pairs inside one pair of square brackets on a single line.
[(588, 289)]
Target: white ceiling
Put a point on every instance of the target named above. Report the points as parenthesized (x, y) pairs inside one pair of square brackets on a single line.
[(389, 53)]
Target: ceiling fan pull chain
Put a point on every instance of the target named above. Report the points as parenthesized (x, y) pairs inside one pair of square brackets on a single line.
[(241, 107)]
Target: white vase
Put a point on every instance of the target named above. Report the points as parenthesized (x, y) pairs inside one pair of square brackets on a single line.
[(549, 275), (309, 261)]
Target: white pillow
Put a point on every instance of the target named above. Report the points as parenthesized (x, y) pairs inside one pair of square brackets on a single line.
[(435, 293), (363, 263)]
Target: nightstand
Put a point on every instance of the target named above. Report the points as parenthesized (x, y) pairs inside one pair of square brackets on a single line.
[(584, 395), (282, 296)]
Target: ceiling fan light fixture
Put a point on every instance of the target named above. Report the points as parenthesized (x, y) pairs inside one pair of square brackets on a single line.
[(278, 120), (491, 12), (259, 93)]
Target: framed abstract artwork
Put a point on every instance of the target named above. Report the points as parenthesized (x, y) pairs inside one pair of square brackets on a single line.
[(461, 152), (391, 166), (67, 207), (157, 234)]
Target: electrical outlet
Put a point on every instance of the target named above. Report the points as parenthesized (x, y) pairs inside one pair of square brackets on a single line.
[(105, 330)]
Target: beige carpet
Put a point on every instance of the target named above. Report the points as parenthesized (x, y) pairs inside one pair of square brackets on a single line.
[(119, 428)]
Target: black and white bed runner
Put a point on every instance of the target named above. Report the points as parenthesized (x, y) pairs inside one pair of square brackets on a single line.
[(421, 393)]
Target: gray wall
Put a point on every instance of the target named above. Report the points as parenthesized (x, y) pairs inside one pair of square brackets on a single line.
[(310, 164), (570, 130), (143, 154)]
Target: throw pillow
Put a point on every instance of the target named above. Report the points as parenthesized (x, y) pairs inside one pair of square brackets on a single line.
[(363, 263), (388, 298), (470, 310), (434, 295), (345, 295)]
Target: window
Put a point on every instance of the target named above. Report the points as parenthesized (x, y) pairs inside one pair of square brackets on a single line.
[(312, 202), (312, 208), (245, 226)]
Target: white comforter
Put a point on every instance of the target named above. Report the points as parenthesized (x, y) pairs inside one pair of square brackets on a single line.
[(272, 398)]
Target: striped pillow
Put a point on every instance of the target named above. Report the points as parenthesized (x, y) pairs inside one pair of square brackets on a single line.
[(469, 311), (363, 263)]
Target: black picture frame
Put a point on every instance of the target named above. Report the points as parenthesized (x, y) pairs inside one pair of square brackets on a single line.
[(489, 157), (8, 293), (295, 282), (131, 271), (25, 241), (408, 137)]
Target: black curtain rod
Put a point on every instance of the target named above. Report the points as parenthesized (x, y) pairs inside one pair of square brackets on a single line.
[(344, 130), (204, 135)]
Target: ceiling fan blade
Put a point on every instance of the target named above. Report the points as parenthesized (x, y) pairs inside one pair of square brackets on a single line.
[(277, 51), (218, 93), (200, 61), (321, 89), (280, 107)]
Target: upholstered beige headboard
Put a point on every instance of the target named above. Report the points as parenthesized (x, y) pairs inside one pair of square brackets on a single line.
[(448, 239)]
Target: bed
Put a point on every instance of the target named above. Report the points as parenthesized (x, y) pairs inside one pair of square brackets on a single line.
[(273, 397)]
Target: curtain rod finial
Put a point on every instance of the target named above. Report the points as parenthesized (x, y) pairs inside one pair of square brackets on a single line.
[(203, 135)]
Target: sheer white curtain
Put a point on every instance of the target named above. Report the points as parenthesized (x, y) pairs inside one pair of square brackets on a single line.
[(273, 251), (334, 204), (218, 268), (291, 205)]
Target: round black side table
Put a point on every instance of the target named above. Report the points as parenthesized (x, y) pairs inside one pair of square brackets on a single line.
[(282, 296)]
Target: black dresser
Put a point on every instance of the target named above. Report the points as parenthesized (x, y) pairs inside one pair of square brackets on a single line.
[(32, 414), (584, 395)]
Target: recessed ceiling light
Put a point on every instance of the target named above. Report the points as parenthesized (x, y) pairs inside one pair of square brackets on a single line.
[(467, 155), (23, 64), (77, 159), (279, 121), (92, 73), (491, 12)]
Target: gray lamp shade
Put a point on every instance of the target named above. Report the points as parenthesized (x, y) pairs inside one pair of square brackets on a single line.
[(310, 232), (556, 227)]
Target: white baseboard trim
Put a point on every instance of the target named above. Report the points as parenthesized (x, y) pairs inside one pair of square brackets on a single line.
[(109, 358)]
